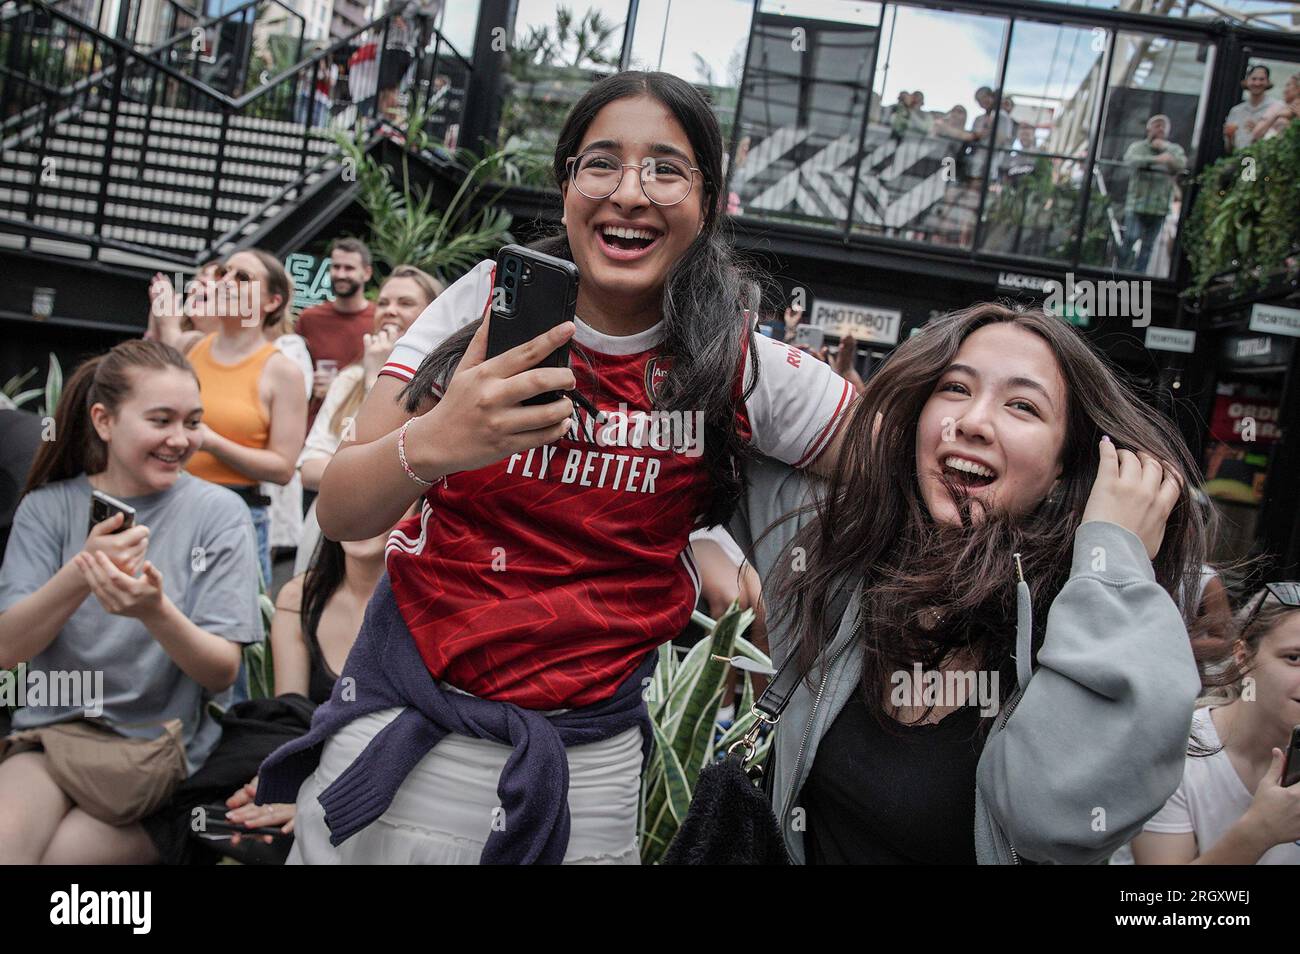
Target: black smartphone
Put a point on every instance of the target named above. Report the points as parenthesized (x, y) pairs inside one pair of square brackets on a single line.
[(533, 293), (216, 825), (1291, 767), (102, 506)]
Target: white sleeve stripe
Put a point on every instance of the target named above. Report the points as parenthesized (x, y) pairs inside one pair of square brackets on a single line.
[(832, 426), (691, 571), (400, 371)]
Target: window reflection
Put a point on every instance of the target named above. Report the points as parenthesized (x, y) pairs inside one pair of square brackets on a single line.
[(1152, 122), (1270, 101), (940, 131), (703, 43), (457, 21), (807, 90), (558, 50), (887, 119), (1035, 200)]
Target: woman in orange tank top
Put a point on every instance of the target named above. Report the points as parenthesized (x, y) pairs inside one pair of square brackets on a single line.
[(254, 398)]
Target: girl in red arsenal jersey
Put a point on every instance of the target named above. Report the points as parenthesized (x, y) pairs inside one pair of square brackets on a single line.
[(550, 555)]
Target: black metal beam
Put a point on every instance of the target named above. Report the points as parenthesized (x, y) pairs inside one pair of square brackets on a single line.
[(483, 95)]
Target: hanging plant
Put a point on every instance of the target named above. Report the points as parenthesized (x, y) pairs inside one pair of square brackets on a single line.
[(1245, 221)]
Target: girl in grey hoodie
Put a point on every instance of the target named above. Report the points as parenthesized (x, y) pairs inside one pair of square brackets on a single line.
[(1010, 679)]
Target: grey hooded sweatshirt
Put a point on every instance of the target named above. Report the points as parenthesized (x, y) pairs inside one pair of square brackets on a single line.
[(1080, 756)]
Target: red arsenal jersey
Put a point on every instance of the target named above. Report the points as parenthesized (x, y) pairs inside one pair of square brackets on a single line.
[(544, 579)]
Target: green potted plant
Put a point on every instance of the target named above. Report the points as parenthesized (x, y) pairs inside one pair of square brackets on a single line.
[(683, 698)]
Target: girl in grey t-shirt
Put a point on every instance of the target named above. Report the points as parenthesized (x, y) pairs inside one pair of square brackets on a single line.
[(132, 628)]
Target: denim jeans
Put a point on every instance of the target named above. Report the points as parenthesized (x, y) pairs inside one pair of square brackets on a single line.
[(262, 525), (1140, 228)]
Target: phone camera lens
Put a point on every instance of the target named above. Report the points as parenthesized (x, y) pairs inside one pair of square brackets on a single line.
[(511, 265), (510, 281)]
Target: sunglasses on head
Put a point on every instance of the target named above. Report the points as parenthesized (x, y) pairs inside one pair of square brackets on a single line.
[(1286, 592)]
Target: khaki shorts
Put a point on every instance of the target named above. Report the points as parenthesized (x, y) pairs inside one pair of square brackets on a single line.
[(116, 779)]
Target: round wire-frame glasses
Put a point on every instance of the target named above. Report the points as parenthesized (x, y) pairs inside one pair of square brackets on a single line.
[(661, 175)]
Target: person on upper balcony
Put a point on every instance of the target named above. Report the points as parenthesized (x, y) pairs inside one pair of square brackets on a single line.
[(1153, 163), (1239, 127)]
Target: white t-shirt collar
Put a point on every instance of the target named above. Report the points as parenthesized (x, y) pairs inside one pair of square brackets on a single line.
[(598, 341)]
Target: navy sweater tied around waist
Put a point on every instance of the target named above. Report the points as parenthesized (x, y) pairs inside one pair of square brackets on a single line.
[(385, 670)]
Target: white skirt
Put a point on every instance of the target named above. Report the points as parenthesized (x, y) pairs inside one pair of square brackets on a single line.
[(447, 806)]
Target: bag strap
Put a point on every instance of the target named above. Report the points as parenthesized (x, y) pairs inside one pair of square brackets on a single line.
[(776, 697)]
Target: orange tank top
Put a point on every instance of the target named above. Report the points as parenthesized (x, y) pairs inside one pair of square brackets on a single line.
[(231, 407)]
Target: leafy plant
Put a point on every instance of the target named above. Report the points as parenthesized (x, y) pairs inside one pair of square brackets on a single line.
[(1246, 217), (683, 698), (407, 227), (1035, 214), (13, 397), (550, 67), (576, 42), (257, 656)]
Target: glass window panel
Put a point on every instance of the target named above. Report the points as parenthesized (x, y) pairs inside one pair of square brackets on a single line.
[(1265, 14), (458, 22), (1053, 80), (703, 43), (927, 149), (807, 88), (558, 50), (1152, 122)]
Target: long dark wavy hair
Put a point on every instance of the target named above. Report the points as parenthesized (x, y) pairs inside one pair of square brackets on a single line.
[(321, 581), (704, 296), (872, 522)]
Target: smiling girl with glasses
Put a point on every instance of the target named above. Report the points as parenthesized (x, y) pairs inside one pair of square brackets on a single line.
[(524, 605)]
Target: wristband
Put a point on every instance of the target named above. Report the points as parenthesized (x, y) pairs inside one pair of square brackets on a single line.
[(401, 455)]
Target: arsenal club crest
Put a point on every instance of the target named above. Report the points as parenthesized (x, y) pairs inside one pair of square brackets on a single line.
[(656, 372)]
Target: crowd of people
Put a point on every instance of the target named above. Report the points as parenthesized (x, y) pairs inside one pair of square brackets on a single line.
[(1145, 179), (483, 582)]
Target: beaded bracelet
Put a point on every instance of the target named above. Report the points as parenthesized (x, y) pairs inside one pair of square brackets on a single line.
[(401, 455)]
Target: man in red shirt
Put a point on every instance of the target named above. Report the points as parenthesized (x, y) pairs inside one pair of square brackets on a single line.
[(334, 329)]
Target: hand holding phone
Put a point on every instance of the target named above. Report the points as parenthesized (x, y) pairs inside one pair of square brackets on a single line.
[(482, 416), (1274, 814), (113, 533), (811, 337), (218, 823), (102, 506), (534, 293)]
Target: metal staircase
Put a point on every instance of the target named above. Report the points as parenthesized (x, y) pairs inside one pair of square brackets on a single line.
[(169, 186), (117, 153)]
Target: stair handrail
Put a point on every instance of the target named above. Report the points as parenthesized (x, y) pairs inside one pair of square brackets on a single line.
[(205, 22), (123, 53), (128, 51), (239, 102)]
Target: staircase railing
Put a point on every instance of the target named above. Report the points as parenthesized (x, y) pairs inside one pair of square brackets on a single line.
[(53, 66), (180, 41)]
